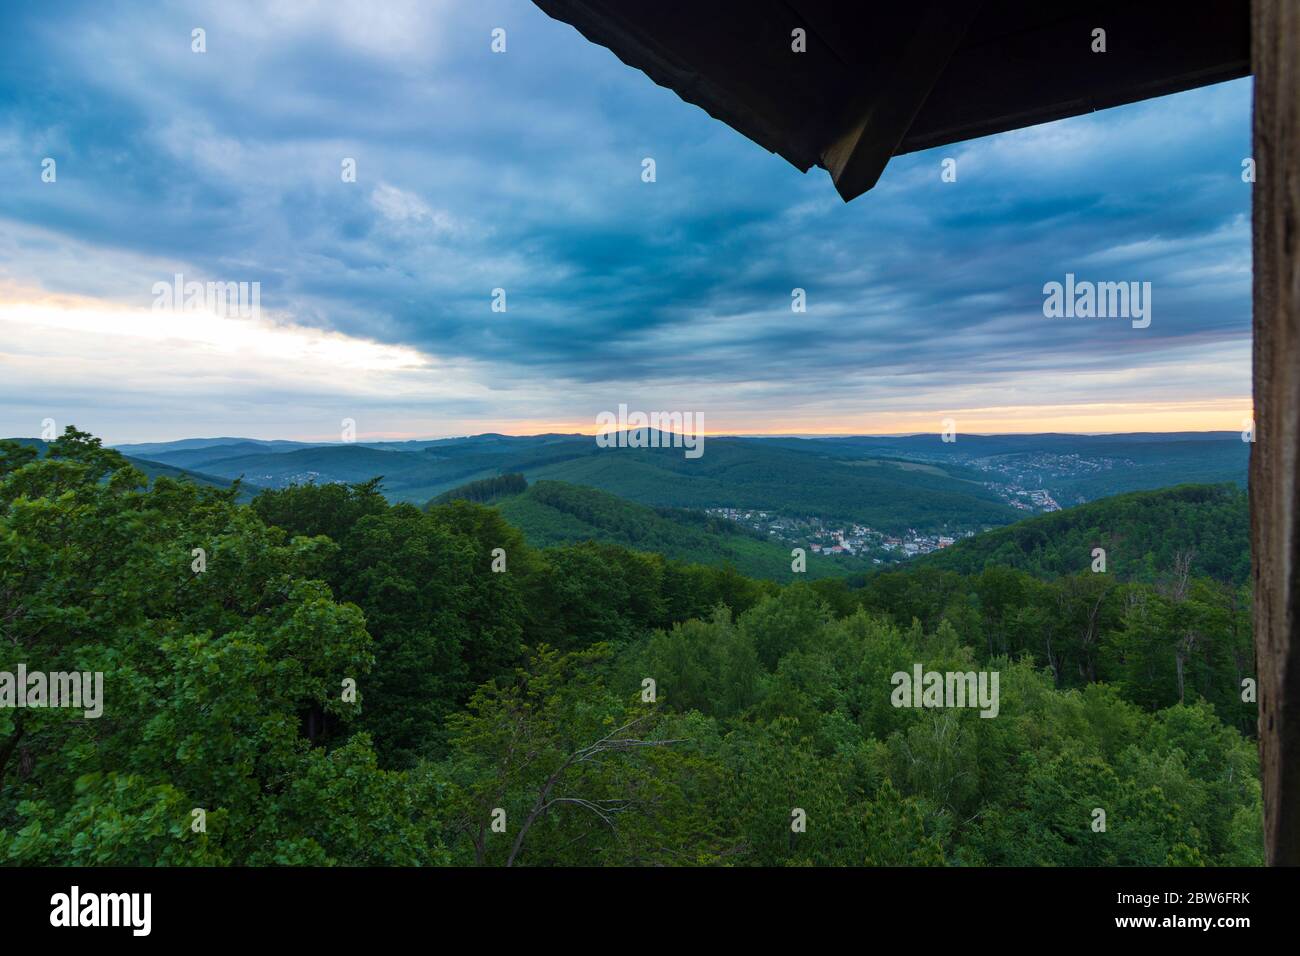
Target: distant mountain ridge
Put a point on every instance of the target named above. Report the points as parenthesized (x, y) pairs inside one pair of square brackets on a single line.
[(733, 472), (891, 483), (153, 469)]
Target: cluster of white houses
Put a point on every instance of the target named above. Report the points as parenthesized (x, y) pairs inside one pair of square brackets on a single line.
[(850, 539)]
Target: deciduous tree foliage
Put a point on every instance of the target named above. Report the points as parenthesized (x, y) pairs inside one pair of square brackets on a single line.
[(587, 704), (206, 678)]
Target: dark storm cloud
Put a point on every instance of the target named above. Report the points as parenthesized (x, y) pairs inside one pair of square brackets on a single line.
[(522, 171)]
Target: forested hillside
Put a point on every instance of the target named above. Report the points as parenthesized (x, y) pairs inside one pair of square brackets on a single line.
[(485, 490), (1076, 468), (735, 473), (738, 473), (581, 704), (554, 513), (893, 484), (1204, 528)]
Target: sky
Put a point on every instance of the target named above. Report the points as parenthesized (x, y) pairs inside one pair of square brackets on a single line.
[(522, 171)]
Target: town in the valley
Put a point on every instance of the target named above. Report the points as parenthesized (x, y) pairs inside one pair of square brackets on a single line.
[(844, 538), (835, 538)]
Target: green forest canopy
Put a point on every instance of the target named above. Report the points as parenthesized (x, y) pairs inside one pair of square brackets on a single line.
[(518, 697)]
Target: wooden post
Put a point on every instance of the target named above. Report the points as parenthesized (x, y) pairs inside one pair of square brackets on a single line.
[(1274, 484)]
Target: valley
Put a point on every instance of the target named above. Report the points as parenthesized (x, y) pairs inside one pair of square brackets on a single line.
[(853, 504)]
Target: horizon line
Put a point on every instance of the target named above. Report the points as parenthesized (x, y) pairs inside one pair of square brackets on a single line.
[(808, 436)]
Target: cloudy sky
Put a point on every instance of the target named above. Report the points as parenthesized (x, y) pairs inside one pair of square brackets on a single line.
[(522, 171)]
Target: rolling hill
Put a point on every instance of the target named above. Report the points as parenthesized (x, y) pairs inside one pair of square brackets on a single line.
[(1143, 533), (1075, 468), (553, 513), (892, 483), (733, 473)]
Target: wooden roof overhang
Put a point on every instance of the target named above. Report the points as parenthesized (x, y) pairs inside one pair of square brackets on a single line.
[(878, 79)]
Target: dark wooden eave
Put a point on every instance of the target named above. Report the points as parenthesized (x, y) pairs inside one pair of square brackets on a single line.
[(882, 79)]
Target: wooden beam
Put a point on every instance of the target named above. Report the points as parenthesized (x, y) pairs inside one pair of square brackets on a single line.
[(875, 122), (1275, 458), (1006, 78)]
